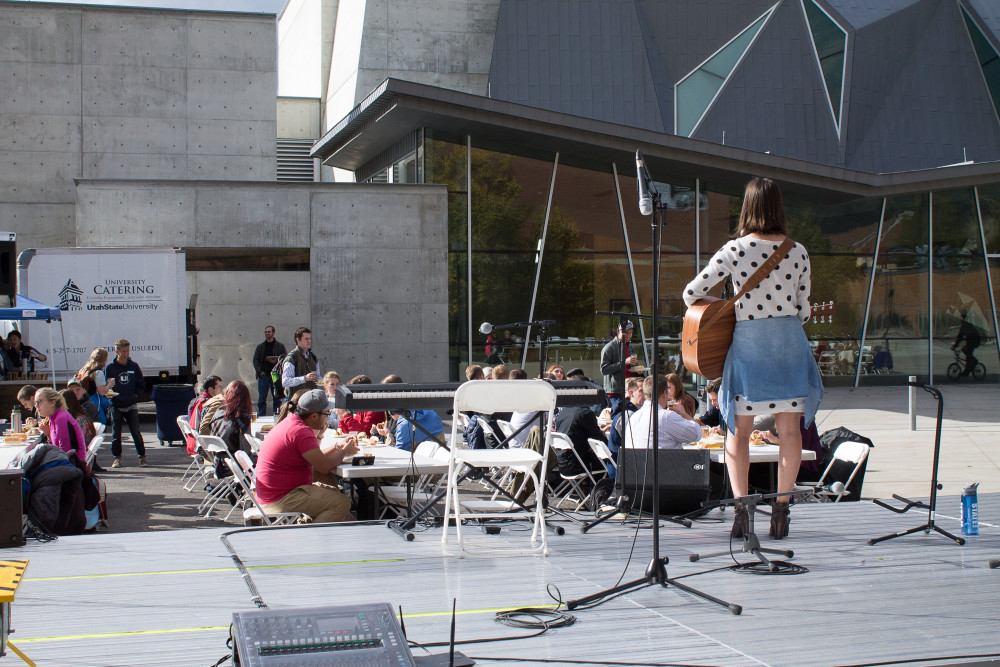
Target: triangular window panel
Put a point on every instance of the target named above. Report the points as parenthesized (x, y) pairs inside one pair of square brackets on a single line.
[(989, 60), (695, 93), (830, 44)]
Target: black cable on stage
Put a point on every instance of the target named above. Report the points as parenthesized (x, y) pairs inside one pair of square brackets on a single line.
[(903, 661), (777, 567)]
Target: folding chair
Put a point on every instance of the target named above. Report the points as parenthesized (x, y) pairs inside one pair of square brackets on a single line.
[(215, 450), (243, 475), (603, 452), (572, 484), (424, 486), (254, 443), (99, 428), (93, 448), (196, 470), (500, 396), (848, 455)]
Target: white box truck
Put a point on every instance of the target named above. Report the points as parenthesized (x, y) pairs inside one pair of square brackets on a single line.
[(139, 294)]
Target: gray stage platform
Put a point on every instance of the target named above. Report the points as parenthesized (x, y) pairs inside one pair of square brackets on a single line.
[(166, 598)]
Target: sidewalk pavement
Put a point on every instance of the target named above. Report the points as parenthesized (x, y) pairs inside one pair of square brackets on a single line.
[(901, 460)]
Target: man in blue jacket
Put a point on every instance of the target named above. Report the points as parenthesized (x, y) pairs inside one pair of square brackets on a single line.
[(129, 384)]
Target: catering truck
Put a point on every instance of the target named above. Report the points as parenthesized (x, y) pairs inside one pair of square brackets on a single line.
[(139, 294)]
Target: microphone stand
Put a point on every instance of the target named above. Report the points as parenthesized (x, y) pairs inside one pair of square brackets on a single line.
[(656, 571)]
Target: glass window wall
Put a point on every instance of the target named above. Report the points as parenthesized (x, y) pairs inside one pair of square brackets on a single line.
[(589, 264)]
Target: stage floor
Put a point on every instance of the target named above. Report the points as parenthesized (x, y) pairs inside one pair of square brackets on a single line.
[(167, 598)]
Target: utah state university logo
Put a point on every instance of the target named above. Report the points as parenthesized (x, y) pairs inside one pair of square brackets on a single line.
[(70, 297)]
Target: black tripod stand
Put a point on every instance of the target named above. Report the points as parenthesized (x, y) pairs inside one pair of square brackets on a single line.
[(656, 571), (935, 486), (751, 545)]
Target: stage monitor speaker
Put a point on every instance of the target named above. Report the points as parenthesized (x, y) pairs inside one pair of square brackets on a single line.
[(11, 524), (8, 265), (683, 478)]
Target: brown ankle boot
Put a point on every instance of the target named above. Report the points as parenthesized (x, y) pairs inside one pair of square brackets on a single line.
[(779, 521), (741, 520)]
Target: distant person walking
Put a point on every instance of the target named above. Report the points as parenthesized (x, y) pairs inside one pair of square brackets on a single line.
[(300, 369), (129, 384), (265, 357)]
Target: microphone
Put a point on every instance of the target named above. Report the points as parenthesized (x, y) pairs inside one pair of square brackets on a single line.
[(645, 200), (837, 488), (486, 328)]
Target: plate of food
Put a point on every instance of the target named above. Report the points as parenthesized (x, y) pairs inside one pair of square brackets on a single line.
[(111, 393)]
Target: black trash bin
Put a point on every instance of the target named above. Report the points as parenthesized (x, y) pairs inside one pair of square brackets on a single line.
[(171, 402)]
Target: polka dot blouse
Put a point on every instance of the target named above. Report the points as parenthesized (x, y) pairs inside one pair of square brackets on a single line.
[(783, 293)]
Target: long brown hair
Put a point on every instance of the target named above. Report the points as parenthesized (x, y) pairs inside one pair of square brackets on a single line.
[(237, 400), (74, 408), (762, 211), (98, 360)]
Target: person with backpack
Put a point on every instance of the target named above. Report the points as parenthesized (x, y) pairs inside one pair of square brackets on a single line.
[(300, 367), (95, 382)]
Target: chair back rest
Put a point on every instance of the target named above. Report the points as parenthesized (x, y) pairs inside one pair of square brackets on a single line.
[(851, 452), (600, 450), (505, 396), (254, 442), (245, 484), (505, 426), (182, 424), (245, 461), (99, 428), (213, 444), (561, 441), (427, 448), (93, 447)]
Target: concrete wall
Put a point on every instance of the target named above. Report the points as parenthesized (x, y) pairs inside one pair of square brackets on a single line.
[(376, 296), (99, 92), (298, 118), (446, 43)]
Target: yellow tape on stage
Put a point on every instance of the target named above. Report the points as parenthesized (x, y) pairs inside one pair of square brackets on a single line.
[(217, 628), (214, 570)]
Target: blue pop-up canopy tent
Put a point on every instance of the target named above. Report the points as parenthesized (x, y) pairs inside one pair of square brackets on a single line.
[(29, 309)]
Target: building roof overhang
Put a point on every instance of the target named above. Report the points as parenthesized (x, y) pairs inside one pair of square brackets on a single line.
[(396, 108)]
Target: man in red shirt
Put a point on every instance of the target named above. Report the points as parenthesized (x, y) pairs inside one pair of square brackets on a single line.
[(289, 455)]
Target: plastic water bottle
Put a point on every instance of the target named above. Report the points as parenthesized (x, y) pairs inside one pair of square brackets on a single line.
[(970, 509), (15, 421)]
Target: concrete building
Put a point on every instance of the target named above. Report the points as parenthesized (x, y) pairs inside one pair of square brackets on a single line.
[(880, 122), (143, 127)]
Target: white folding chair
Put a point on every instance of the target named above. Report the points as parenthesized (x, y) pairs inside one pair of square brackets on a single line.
[(196, 470), (243, 477), (99, 428), (603, 452), (848, 454), (505, 428), (572, 484), (254, 443), (93, 448), (423, 487), (500, 396), (215, 450)]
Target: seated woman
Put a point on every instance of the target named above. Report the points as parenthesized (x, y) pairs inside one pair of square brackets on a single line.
[(331, 380), (365, 420), (232, 421), (75, 409), (58, 425)]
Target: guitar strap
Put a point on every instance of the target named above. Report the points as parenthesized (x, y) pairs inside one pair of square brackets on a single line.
[(754, 280)]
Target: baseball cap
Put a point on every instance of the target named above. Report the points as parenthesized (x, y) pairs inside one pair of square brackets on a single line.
[(628, 325), (73, 381), (575, 373), (314, 400)]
